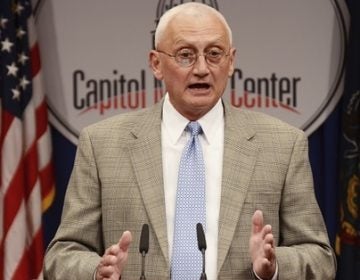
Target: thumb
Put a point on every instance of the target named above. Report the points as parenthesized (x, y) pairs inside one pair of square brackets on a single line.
[(257, 222), (125, 240)]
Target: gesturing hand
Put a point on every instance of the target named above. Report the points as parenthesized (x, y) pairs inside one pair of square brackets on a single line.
[(113, 261), (261, 246)]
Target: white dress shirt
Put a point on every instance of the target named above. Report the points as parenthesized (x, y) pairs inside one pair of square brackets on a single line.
[(174, 139)]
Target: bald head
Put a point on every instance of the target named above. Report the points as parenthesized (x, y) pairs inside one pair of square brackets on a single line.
[(191, 9)]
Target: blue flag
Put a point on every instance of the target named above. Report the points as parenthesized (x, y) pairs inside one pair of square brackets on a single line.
[(348, 238)]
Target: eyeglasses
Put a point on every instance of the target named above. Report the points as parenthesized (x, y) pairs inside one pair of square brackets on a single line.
[(187, 57)]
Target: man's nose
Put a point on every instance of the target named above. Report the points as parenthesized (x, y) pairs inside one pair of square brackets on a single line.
[(201, 67)]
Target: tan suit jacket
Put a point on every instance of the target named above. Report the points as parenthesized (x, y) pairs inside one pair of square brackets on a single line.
[(117, 185)]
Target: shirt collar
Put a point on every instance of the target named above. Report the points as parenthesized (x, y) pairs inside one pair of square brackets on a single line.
[(175, 123)]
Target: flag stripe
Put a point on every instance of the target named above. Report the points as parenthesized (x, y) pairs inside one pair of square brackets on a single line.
[(29, 126), (41, 119), (13, 198), (35, 60), (14, 245), (44, 146), (37, 86), (11, 152), (31, 172), (5, 125)]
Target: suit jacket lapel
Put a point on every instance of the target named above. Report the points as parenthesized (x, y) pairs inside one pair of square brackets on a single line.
[(146, 157), (239, 161)]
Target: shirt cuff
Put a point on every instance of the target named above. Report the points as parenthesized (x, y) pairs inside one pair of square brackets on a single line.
[(275, 276)]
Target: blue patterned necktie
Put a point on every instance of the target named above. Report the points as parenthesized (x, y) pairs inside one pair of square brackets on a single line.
[(186, 261)]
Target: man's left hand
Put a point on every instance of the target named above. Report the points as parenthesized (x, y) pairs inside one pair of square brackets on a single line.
[(261, 246)]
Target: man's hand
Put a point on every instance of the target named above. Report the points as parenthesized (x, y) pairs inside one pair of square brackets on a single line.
[(261, 246), (114, 259)]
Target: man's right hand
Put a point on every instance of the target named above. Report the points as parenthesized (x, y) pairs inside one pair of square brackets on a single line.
[(113, 261)]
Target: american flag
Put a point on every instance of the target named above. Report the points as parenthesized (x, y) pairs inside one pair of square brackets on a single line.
[(26, 170)]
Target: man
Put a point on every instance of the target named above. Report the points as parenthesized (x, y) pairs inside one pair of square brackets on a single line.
[(262, 219)]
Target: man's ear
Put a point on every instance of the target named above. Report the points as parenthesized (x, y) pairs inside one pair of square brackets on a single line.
[(232, 61), (155, 64)]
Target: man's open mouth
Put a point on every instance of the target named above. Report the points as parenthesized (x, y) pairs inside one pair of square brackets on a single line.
[(199, 86)]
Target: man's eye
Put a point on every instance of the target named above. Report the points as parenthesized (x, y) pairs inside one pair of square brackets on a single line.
[(185, 54), (214, 53)]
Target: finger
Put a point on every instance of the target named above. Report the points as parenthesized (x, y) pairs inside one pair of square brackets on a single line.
[(125, 240), (269, 253), (269, 239), (266, 230), (112, 250), (109, 260), (106, 271), (257, 222), (103, 261)]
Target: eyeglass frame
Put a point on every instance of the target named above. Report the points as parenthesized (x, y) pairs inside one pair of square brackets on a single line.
[(224, 54)]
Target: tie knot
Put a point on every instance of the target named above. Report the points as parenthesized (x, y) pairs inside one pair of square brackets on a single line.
[(194, 128)]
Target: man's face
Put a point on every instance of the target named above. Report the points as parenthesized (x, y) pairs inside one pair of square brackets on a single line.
[(193, 90)]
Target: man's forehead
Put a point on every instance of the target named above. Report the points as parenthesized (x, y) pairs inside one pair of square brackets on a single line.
[(195, 29)]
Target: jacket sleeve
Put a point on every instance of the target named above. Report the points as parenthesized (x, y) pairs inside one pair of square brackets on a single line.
[(304, 251)]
